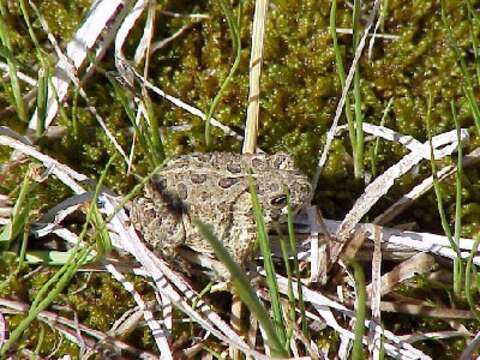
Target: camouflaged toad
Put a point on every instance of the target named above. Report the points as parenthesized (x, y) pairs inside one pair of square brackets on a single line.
[(214, 188)]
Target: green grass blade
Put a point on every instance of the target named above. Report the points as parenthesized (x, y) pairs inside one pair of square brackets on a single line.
[(359, 136), (357, 351), (436, 184), (341, 76), (43, 303), (245, 291), (143, 138), (23, 247), (12, 67), (468, 89), (157, 150), (7, 55), (42, 97), (52, 288), (102, 238), (73, 253), (204, 291), (472, 103), (43, 73), (296, 266), (271, 277), (284, 247), (31, 32), (470, 288), (234, 27), (52, 257), (19, 215), (376, 148), (474, 22), (458, 262), (41, 338)]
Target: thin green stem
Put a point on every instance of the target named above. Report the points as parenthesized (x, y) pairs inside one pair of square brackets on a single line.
[(296, 266), (12, 67), (360, 144), (158, 150), (458, 262), (468, 88), (62, 277), (234, 27), (473, 22), (360, 301), (470, 286), (341, 76), (436, 184), (284, 247), (244, 289), (264, 244), (376, 148)]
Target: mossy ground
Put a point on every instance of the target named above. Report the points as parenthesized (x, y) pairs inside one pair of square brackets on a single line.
[(299, 93)]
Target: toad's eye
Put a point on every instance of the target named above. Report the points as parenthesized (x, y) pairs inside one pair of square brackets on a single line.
[(279, 200)]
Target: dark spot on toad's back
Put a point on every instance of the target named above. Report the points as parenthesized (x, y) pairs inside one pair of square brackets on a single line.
[(225, 183), (256, 162), (203, 157), (198, 178), (234, 168)]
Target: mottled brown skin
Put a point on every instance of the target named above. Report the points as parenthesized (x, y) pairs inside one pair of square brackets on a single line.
[(214, 188)]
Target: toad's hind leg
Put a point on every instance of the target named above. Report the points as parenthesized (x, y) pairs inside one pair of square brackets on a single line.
[(161, 229)]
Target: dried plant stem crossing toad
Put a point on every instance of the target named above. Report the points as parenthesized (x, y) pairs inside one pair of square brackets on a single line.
[(214, 188)]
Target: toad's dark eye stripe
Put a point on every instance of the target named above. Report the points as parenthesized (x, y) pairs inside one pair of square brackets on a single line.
[(279, 200), (280, 162)]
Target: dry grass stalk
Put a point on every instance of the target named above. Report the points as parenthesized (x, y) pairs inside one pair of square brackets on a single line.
[(235, 320), (425, 310), (53, 319), (374, 337), (447, 142), (409, 198), (418, 264), (86, 37), (256, 60)]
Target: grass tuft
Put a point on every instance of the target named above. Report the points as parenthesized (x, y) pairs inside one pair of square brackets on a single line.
[(12, 65), (55, 285), (19, 216), (360, 304)]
